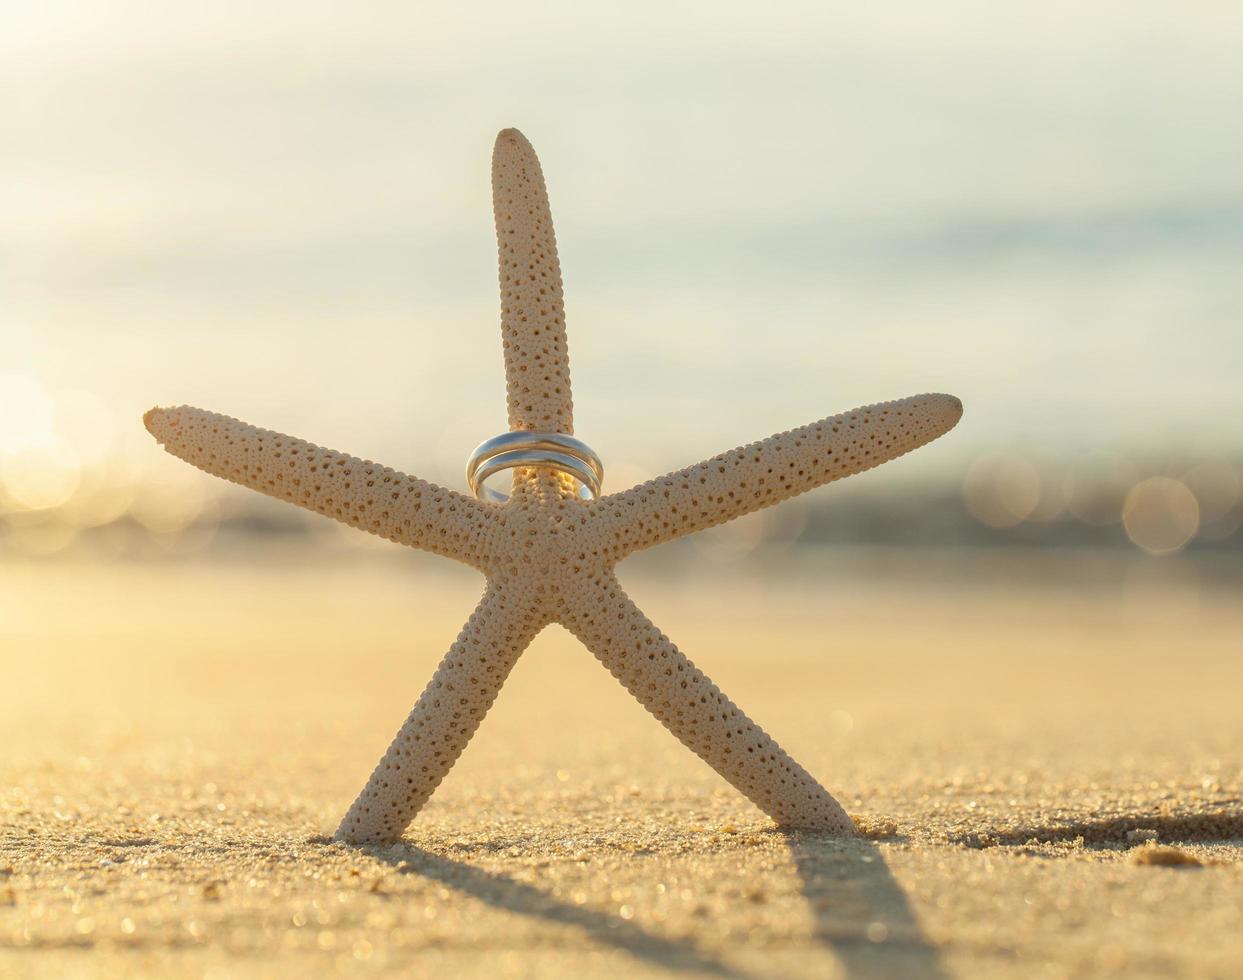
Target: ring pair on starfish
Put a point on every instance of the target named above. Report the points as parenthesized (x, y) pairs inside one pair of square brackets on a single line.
[(549, 555)]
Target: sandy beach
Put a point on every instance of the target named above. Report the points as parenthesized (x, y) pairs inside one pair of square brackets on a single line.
[(1048, 787)]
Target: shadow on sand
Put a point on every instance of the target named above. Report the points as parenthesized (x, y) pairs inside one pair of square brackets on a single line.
[(859, 911), (503, 892)]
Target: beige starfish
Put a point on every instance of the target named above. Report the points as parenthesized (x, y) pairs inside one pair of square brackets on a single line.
[(549, 555)]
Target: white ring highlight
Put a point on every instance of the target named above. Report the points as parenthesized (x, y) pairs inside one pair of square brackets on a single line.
[(554, 450)]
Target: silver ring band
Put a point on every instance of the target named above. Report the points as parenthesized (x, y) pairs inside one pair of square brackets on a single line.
[(554, 450)]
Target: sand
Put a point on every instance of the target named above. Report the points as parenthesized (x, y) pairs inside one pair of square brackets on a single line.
[(1049, 785)]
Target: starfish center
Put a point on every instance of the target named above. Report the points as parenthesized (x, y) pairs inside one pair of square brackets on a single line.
[(545, 534)]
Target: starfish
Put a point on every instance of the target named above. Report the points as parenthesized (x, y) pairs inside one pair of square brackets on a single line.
[(548, 555)]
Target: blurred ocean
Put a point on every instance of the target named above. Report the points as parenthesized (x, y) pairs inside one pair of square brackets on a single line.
[(285, 216)]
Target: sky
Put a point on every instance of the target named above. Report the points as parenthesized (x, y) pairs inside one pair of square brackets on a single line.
[(765, 216)]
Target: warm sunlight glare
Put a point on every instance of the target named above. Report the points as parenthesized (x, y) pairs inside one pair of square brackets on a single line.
[(40, 477), (25, 412), (169, 500)]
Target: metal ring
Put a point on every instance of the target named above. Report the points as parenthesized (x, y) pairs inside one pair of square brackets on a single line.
[(524, 439), (554, 450)]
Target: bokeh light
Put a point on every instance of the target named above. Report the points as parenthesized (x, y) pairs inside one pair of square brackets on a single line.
[(40, 476), (1096, 488), (169, 500), (84, 422), (1219, 491), (1161, 515), (25, 412), (103, 496), (1051, 500), (1002, 490)]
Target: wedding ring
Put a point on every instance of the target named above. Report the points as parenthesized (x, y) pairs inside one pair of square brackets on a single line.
[(553, 450)]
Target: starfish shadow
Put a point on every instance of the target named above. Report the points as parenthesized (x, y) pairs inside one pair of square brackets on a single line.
[(502, 892), (860, 911)]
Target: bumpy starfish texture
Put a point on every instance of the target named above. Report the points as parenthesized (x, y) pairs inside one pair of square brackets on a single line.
[(548, 555)]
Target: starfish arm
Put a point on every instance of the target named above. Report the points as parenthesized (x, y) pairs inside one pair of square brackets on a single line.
[(434, 734), (537, 366), (356, 492), (765, 473), (687, 703)]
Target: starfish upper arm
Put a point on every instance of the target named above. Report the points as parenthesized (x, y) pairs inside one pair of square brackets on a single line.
[(354, 491), (765, 473), (537, 363)]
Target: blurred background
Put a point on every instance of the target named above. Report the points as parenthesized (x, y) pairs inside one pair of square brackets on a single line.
[(284, 215)]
